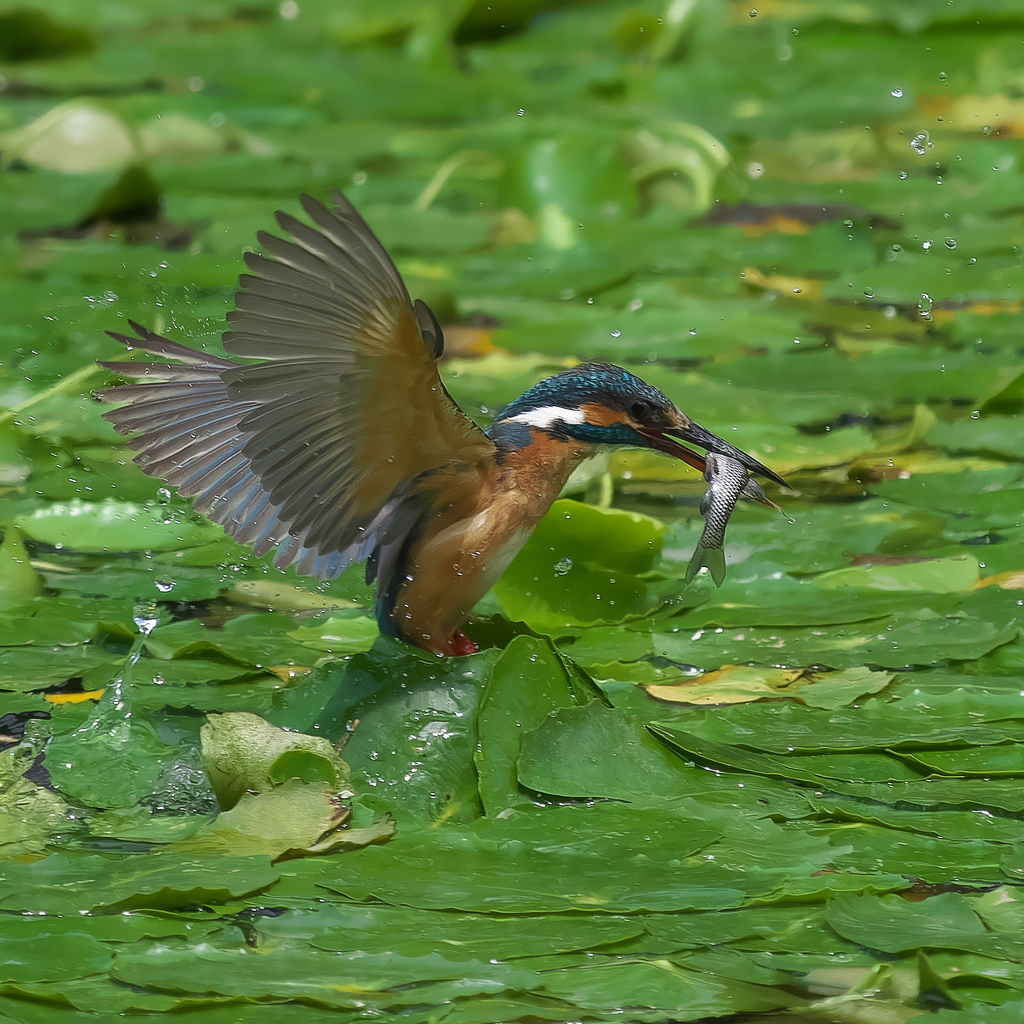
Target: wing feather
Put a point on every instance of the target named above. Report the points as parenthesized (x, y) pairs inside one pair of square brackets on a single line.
[(315, 448)]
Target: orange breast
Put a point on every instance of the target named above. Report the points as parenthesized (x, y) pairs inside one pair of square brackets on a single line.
[(470, 543)]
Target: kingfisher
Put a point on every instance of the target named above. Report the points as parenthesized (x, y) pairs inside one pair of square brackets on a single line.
[(331, 438)]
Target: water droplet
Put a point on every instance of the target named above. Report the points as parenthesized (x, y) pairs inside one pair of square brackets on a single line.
[(921, 143), (897, 93), (950, 243), (563, 566)]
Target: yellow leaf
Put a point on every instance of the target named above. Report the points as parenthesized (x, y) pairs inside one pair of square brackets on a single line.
[(1012, 580), (731, 684), (798, 287), (741, 684), (74, 698), (282, 597), (779, 224), (998, 113), (286, 673)]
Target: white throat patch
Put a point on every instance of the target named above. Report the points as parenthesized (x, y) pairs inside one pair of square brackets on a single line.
[(547, 416)]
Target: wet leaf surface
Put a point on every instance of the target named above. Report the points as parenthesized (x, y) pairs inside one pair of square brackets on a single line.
[(793, 798)]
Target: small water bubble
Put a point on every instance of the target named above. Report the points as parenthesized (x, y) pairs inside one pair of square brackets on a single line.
[(616, 334), (986, 129), (164, 586), (563, 566), (903, 175), (950, 243), (924, 306), (975, 414), (896, 93), (869, 293), (752, 13), (921, 143)]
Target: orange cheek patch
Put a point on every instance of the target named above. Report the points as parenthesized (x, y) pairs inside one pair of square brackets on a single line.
[(602, 416)]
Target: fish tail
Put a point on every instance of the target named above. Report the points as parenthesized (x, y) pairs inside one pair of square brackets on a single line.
[(712, 558)]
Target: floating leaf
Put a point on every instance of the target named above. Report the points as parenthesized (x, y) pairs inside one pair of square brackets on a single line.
[(739, 684), (242, 752), (937, 576), (115, 526), (580, 567), (594, 751), (18, 580)]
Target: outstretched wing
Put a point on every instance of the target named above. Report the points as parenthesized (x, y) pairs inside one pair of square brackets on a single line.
[(315, 447)]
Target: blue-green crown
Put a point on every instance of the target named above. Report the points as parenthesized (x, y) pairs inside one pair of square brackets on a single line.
[(598, 384)]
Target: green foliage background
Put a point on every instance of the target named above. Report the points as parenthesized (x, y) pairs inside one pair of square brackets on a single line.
[(796, 798)]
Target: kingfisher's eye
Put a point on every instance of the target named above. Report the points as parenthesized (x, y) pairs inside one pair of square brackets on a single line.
[(641, 411)]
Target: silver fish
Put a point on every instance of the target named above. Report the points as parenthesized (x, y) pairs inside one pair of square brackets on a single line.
[(728, 481)]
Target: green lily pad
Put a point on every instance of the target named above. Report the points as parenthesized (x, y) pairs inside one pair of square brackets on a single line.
[(893, 924), (595, 751), (68, 883), (580, 567), (936, 576), (116, 526), (529, 681)]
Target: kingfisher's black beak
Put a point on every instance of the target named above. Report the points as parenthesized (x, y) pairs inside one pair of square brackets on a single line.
[(696, 434)]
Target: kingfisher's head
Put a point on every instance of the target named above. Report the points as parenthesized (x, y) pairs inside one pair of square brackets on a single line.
[(599, 404)]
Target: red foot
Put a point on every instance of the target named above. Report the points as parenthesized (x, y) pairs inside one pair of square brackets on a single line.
[(460, 644)]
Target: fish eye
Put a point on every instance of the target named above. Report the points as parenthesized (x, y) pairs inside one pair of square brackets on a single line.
[(641, 411)]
